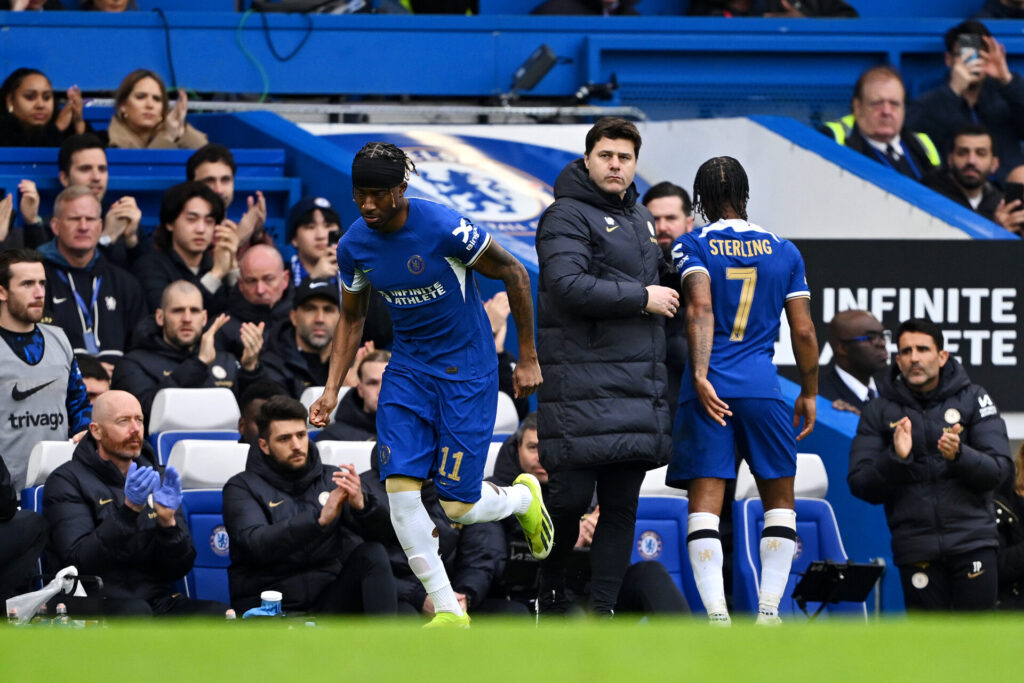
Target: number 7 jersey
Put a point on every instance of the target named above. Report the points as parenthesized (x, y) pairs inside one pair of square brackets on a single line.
[(753, 273)]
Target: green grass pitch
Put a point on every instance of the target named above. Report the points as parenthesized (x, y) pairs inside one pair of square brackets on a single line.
[(944, 648)]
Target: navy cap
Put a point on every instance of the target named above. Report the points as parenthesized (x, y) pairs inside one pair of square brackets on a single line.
[(311, 288), (302, 214)]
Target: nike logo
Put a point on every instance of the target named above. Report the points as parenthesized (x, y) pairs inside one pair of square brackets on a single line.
[(611, 228), (59, 299), (894, 425), (19, 395), (314, 285), (274, 505), (974, 575), (104, 501)]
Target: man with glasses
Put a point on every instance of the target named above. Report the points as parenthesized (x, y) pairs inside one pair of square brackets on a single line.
[(860, 349)]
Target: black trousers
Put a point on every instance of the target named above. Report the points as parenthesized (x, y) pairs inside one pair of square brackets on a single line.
[(22, 539), (364, 586), (648, 588), (959, 583), (569, 495)]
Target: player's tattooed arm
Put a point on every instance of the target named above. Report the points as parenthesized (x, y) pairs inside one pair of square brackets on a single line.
[(700, 328), (805, 348), (496, 263), (347, 335)]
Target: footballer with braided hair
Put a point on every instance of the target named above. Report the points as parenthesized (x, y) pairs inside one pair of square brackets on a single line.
[(438, 397), (738, 278)]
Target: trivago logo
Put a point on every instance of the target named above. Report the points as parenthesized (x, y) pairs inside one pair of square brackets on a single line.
[(495, 196)]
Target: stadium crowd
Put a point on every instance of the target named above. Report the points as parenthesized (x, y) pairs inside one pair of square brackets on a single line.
[(119, 305)]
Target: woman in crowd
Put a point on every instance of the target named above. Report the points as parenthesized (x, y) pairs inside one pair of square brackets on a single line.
[(29, 117), (144, 119)]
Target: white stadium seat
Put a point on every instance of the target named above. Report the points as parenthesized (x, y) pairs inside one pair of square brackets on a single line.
[(340, 453), (45, 457), (507, 419), (311, 394), (492, 456), (654, 485), (193, 409), (207, 464), (811, 478)]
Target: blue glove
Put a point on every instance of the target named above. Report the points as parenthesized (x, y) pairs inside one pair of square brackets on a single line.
[(139, 483), (169, 495)]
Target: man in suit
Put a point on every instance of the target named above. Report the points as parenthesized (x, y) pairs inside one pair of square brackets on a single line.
[(860, 350)]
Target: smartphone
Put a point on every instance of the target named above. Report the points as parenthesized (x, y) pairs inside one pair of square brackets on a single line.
[(968, 47), (1013, 191)]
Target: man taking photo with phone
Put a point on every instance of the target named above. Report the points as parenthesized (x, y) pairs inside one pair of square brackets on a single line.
[(980, 89)]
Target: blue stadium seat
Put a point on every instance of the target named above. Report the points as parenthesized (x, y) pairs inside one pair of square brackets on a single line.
[(817, 539), (205, 466), (164, 441), (661, 535), (45, 457), (213, 409), (208, 579)]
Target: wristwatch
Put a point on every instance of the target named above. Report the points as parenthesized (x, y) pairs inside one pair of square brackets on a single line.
[(105, 240)]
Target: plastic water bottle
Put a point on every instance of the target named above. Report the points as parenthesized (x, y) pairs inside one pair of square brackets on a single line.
[(271, 606), (12, 616), (229, 615), (61, 618)]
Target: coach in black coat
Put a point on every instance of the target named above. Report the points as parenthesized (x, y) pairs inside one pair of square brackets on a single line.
[(92, 529), (939, 511), (277, 543), (603, 413)]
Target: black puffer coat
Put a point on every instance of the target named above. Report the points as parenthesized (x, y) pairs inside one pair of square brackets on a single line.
[(604, 394), (935, 507), (277, 542)]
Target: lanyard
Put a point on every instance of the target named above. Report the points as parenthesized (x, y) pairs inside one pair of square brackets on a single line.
[(85, 313), (888, 162)]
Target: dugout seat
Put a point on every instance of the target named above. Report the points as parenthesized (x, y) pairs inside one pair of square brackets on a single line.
[(654, 485), (660, 535), (205, 466), (811, 478), (817, 539), (311, 394), (165, 441), (44, 458), (506, 420), (340, 453), (192, 409)]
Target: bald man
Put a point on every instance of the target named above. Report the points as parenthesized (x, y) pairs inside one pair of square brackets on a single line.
[(113, 513), (261, 295), (859, 348), (173, 350)]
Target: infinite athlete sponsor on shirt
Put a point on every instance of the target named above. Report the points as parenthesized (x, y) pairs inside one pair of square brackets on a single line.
[(412, 297)]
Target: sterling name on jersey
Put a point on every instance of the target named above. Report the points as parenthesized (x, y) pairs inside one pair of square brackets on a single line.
[(753, 273), (422, 271)]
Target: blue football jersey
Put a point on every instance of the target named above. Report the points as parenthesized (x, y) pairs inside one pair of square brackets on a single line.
[(423, 273), (753, 273)]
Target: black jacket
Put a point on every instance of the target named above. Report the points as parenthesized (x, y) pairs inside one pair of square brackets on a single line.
[(934, 507), (92, 528), (940, 112), (153, 364), (473, 555), (286, 364), (159, 268), (277, 543), (119, 304), (583, 7), (8, 495), (942, 182), (604, 394), (351, 422), (914, 149), (994, 9), (810, 8), (832, 387), (1009, 508), (241, 311)]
